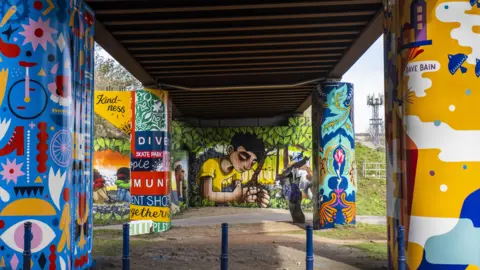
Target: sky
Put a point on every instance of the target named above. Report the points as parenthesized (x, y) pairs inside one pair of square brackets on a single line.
[(367, 78)]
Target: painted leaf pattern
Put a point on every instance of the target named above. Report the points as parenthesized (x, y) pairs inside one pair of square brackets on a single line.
[(147, 119), (339, 103)]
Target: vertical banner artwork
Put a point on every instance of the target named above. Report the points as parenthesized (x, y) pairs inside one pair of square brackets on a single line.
[(46, 91), (150, 165), (335, 155), (179, 182), (111, 163), (432, 73)]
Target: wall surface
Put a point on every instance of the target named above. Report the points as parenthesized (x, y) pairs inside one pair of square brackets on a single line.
[(111, 162), (46, 90), (433, 151), (239, 166)]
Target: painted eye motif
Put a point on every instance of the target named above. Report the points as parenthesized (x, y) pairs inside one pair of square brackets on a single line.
[(42, 236)]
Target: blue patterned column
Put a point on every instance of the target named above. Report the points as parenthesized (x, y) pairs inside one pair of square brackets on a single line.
[(46, 89), (334, 155)]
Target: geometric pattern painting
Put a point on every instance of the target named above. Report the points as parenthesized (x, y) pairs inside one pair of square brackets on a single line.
[(432, 70), (46, 90)]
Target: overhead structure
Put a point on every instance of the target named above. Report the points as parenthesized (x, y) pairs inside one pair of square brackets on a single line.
[(237, 59)]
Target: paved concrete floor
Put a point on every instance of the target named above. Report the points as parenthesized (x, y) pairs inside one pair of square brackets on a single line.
[(267, 216)]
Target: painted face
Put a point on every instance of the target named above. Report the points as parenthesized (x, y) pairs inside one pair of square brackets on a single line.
[(242, 159)]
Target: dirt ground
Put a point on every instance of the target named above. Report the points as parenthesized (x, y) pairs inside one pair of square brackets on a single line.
[(265, 246)]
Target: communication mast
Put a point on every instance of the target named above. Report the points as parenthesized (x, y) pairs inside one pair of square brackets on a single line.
[(376, 122)]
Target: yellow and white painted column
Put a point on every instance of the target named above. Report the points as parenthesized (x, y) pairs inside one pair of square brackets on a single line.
[(432, 86)]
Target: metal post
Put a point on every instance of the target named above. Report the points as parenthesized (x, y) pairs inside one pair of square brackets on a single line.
[(27, 245), (126, 247), (224, 256), (401, 248), (309, 258)]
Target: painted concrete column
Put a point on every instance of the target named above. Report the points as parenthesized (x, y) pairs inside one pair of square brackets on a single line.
[(432, 95), (150, 144), (46, 90), (334, 155)]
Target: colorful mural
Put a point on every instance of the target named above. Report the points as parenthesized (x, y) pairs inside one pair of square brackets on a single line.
[(242, 166), (111, 163), (431, 85), (150, 164), (336, 155), (179, 186), (46, 91)]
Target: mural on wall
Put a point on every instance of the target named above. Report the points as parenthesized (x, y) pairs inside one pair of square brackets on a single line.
[(150, 164), (111, 163), (46, 90), (242, 166), (336, 155), (179, 180), (431, 89)]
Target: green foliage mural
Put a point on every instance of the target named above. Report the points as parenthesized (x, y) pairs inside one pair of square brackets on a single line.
[(117, 145), (240, 166)]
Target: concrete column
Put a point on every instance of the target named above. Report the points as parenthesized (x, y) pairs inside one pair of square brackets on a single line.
[(46, 91), (334, 155), (433, 147), (150, 189)]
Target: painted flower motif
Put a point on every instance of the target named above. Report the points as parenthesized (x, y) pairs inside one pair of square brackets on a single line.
[(38, 32), (339, 156), (11, 171)]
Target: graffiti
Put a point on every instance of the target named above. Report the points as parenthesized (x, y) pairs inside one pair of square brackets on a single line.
[(179, 181), (335, 157), (241, 166), (419, 165), (150, 166), (38, 167), (115, 106), (111, 164)]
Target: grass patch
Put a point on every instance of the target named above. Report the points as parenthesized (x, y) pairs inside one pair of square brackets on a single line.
[(371, 193), (372, 197), (377, 251), (361, 231), (110, 242)]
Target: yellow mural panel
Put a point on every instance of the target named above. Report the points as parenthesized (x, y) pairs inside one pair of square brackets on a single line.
[(156, 214), (115, 107)]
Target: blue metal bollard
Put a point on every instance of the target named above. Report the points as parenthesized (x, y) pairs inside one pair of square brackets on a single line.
[(224, 256), (309, 258), (126, 247), (401, 248), (27, 245)]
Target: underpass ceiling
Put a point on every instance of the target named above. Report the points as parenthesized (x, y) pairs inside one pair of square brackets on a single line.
[(229, 59)]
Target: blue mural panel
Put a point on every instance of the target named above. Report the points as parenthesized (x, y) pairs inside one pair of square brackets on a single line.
[(46, 90), (336, 155)]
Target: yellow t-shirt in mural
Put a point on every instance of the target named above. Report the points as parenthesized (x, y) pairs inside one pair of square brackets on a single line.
[(211, 168)]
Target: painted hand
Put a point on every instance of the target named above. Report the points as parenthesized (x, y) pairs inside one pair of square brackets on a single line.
[(256, 195)]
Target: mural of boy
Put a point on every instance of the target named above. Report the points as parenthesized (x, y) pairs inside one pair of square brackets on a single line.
[(123, 184), (220, 178)]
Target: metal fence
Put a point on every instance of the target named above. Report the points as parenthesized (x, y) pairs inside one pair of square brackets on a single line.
[(374, 169)]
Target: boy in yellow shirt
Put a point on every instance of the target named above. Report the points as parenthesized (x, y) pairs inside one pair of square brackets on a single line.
[(220, 179)]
